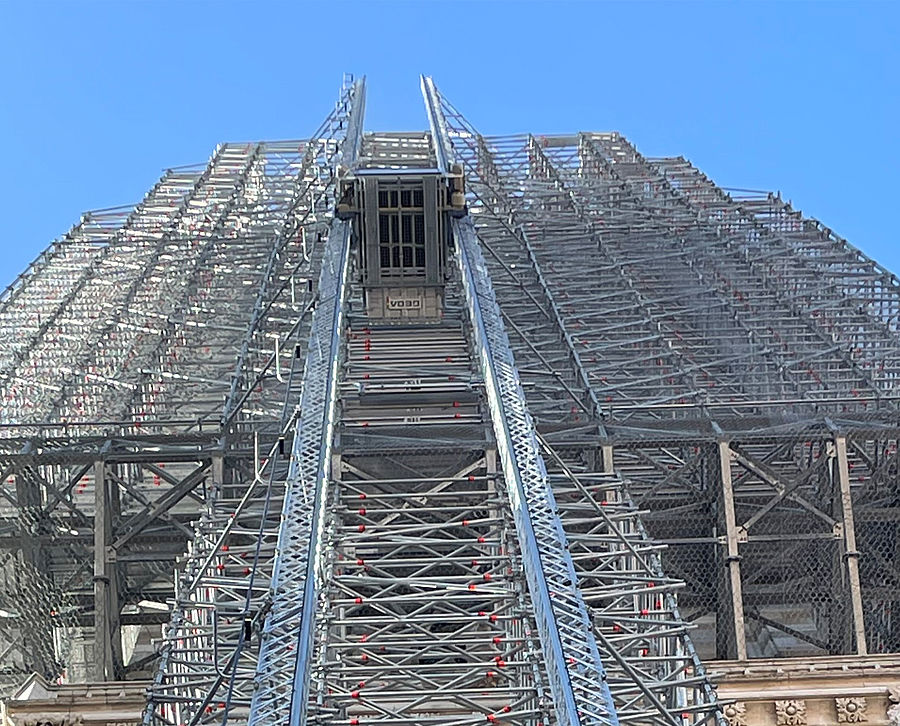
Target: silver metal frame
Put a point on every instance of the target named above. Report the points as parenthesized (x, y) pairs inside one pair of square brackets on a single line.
[(692, 393)]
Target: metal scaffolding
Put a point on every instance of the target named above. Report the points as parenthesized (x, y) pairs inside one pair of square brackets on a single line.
[(655, 425)]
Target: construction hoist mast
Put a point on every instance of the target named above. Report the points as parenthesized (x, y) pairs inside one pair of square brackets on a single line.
[(576, 675), (405, 215), (247, 563), (652, 668), (408, 557)]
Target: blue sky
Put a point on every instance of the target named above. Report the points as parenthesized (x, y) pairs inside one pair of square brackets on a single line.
[(98, 98)]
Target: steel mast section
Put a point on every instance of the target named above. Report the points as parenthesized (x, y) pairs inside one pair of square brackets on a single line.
[(282, 680), (671, 686), (575, 672), (208, 664)]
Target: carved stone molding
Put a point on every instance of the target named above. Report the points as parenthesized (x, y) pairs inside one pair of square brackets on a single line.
[(64, 721), (893, 711), (851, 709), (791, 712), (735, 713)]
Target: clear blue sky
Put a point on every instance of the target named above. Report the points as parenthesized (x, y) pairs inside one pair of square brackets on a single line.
[(97, 98)]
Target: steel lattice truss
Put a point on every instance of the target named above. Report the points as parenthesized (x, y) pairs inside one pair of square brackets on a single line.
[(634, 616), (236, 572), (657, 424)]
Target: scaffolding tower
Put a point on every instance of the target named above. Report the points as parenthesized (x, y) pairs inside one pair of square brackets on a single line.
[(656, 424)]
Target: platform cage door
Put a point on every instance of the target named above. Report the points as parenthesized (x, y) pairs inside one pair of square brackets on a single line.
[(405, 247)]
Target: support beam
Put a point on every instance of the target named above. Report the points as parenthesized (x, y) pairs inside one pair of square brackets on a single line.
[(851, 555), (608, 459), (221, 561), (103, 663), (733, 558)]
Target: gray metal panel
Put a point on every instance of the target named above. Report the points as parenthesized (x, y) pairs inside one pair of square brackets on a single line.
[(433, 241), (370, 224)]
